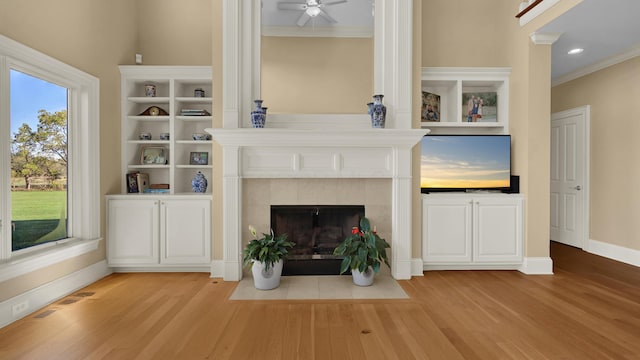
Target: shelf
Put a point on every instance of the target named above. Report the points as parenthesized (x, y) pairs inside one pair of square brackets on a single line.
[(143, 166), (149, 142), (192, 142), (194, 166), (175, 86), (429, 124), (193, 118), (148, 118), (192, 99), (453, 92), (148, 100)]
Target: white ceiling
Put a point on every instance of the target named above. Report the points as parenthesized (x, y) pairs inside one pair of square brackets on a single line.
[(603, 28)]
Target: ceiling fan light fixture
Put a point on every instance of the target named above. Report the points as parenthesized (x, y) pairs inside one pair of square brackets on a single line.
[(575, 51), (313, 11)]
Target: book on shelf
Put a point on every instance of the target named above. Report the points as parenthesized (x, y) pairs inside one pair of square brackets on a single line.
[(137, 182), (143, 182), (194, 112), (156, 191), (158, 186)]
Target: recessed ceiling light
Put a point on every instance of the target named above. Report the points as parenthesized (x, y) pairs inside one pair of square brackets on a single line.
[(575, 51)]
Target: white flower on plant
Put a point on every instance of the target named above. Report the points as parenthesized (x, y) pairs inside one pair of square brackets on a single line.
[(253, 232)]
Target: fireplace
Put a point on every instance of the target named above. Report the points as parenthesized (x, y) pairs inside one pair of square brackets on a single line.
[(316, 230)]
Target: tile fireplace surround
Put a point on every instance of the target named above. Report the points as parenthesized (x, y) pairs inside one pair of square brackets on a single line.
[(317, 167)]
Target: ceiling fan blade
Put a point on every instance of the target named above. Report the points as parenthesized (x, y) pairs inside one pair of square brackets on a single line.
[(332, 3), (303, 19), (327, 17), (291, 6)]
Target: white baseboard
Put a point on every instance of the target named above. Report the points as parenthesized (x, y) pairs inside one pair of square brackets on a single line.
[(614, 252), (417, 267), (537, 266), (44, 295), (217, 268)]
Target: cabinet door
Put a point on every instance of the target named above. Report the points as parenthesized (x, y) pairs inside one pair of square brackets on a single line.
[(446, 230), (497, 230), (132, 232), (186, 232)]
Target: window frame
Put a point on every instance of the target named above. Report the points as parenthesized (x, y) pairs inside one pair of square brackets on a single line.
[(83, 178)]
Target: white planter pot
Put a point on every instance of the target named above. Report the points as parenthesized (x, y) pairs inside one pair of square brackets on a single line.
[(363, 279), (266, 280)]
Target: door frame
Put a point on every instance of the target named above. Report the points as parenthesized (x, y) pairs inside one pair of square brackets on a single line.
[(585, 113)]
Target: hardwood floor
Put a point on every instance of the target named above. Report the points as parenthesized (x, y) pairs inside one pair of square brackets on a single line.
[(590, 309)]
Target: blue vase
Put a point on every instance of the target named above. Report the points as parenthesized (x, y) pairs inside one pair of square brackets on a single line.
[(199, 183), (259, 115), (378, 112)]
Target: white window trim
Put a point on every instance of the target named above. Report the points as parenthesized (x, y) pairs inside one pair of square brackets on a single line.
[(84, 154)]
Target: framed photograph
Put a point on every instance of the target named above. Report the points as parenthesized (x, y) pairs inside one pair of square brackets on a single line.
[(132, 182), (430, 106), (199, 158), (479, 107), (153, 155)]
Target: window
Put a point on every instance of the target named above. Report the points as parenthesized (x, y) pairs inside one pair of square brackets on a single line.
[(38, 117), (55, 153)]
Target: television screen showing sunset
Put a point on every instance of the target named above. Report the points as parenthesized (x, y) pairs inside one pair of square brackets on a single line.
[(465, 162)]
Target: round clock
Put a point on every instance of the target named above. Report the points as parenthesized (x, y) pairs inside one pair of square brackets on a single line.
[(154, 111)]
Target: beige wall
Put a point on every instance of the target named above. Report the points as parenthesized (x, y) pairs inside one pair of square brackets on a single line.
[(96, 36), (485, 33), (316, 75), (612, 94)]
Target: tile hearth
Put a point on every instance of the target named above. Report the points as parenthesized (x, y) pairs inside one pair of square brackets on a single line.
[(320, 287)]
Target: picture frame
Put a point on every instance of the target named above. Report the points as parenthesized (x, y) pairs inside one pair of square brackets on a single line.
[(430, 107), (483, 110), (153, 155), (199, 158)]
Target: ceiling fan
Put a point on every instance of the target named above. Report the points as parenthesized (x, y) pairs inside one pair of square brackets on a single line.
[(311, 9)]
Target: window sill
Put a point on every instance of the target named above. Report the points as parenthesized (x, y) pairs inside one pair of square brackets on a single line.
[(39, 259)]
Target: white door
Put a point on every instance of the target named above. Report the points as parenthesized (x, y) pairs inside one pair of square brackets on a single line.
[(132, 232), (569, 176)]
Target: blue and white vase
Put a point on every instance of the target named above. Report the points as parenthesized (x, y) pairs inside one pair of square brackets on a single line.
[(378, 112), (199, 183), (259, 115)]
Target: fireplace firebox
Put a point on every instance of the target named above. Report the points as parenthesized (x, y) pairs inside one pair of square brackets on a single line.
[(316, 230)]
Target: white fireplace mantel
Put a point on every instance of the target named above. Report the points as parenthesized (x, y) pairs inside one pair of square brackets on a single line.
[(293, 153)]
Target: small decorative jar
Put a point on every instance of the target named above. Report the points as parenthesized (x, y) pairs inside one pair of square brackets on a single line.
[(144, 136), (150, 90), (164, 136), (199, 183), (198, 93), (378, 112), (259, 115)]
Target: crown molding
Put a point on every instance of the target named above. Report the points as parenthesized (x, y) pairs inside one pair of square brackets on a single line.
[(544, 38), (324, 31)]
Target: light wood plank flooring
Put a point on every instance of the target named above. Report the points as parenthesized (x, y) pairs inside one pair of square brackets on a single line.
[(590, 309)]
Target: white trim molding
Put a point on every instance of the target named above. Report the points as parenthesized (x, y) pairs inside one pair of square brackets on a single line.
[(614, 252), (536, 266), (544, 38), (537, 11), (46, 294)]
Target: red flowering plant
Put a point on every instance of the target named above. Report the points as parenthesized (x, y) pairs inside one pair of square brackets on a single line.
[(363, 248)]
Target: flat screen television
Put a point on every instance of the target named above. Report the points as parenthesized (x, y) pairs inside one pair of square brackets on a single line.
[(465, 162)]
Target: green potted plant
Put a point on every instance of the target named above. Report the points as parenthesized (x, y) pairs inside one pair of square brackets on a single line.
[(363, 251), (265, 255)]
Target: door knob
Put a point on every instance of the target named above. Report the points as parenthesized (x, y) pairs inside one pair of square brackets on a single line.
[(578, 187)]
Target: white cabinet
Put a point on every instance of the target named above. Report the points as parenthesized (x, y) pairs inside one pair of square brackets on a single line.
[(448, 90), (146, 232), (184, 111), (472, 231)]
